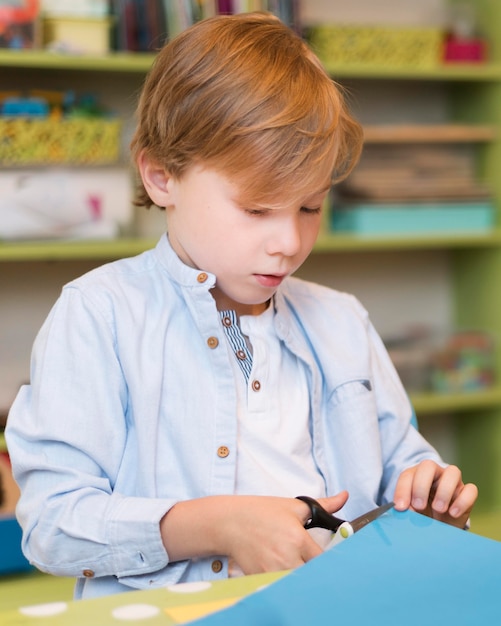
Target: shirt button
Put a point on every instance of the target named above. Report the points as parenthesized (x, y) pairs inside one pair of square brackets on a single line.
[(88, 573), (223, 452), (227, 321), (202, 277), (213, 342), (241, 355), (217, 566), (256, 385)]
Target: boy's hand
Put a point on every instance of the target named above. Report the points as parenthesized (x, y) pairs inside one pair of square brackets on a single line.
[(436, 491), (261, 533), (269, 534)]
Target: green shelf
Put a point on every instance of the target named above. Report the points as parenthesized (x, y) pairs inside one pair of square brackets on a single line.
[(117, 248), (354, 243), (476, 72), (41, 59), (430, 403), (141, 62), (73, 250)]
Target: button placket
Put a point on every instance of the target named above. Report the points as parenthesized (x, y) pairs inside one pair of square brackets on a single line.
[(257, 396)]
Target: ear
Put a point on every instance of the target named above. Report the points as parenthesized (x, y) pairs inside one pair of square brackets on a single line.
[(155, 180)]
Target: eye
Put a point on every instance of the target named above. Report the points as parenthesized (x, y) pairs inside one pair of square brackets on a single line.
[(257, 212), (311, 211)]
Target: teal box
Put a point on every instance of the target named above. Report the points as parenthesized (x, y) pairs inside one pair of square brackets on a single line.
[(379, 219), (11, 559)]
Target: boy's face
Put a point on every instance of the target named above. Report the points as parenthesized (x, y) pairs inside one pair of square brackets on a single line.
[(249, 249)]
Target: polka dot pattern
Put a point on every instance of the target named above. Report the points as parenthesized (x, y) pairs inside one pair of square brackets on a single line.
[(134, 612)]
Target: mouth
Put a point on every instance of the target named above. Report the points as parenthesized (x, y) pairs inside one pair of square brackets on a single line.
[(270, 280)]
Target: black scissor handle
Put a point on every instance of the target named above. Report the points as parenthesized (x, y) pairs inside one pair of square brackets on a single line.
[(320, 518)]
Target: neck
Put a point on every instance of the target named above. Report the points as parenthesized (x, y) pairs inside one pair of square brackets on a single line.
[(224, 303)]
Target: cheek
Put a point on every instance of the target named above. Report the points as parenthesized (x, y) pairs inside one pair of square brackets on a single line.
[(310, 229), (220, 244)]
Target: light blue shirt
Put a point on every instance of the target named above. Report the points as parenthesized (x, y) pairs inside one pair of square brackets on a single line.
[(132, 408)]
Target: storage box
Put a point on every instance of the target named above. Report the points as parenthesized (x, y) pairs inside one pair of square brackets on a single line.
[(34, 205), (371, 219), (78, 34), (465, 51), (368, 46), (48, 141), (12, 559)]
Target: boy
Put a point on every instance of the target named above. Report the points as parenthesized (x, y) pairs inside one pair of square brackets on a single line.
[(180, 400)]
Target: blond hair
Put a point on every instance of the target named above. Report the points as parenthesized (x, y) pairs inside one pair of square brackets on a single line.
[(245, 96)]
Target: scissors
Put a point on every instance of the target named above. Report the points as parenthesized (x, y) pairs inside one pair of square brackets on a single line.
[(341, 529)]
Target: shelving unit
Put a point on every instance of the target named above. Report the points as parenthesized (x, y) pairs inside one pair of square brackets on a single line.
[(39, 59), (475, 101), (420, 133)]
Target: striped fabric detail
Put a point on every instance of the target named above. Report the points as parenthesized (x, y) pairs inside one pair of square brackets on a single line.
[(237, 342)]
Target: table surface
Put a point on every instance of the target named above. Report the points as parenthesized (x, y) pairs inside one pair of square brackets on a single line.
[(169, 606)]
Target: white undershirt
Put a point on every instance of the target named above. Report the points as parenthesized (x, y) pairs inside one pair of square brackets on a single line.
[(274, 452)]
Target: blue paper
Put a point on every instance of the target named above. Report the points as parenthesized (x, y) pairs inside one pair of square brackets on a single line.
[(402, 569)]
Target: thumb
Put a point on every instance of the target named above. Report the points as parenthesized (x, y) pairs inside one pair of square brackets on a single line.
[(334, 503)]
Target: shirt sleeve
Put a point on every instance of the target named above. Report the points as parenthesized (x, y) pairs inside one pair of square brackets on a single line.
[(402, 445), (66, 435)]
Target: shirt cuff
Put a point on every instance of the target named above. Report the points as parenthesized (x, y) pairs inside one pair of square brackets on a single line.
[(135, 536)]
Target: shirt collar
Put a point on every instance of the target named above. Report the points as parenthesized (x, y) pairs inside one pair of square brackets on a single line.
[(180, 272)]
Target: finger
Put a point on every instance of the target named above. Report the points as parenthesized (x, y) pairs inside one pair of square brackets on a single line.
[(446, 488), (414, 486), (464, 501), (423, 485), (333, 503), (403, 490)]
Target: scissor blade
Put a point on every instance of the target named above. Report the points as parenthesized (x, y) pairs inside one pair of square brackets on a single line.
[(369, 517)]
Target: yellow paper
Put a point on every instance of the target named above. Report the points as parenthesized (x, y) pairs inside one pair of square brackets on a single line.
[(188, 612)]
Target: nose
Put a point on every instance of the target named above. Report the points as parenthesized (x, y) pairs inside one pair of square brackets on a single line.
[(285, 237)]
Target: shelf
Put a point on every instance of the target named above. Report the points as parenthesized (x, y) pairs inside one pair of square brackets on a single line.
[(117, 248), (141, 62), (73, 250), (428, 403), (113, 62), (353, 243), (429, 133), (460, 72)]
